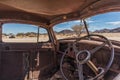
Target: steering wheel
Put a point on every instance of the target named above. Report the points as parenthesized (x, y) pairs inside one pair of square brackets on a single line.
[(84, 57)]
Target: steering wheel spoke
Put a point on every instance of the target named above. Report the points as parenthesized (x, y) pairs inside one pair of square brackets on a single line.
[(80, 71), (98, 71), (93, 67), (97, 48)]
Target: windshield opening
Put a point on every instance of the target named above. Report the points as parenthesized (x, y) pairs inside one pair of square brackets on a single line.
[(107, 24)]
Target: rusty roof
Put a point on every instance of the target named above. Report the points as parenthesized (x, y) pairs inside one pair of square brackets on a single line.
[(51, 12)]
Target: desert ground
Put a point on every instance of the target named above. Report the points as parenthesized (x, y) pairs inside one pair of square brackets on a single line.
[(111, 36)]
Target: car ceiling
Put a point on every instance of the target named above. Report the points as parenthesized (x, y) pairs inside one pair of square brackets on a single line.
[(50, 12)]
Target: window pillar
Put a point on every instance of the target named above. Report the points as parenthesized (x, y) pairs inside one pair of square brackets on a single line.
[(1, 32), (0, 46)]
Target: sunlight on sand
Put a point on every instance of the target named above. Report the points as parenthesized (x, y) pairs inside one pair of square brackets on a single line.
[(111, 36)]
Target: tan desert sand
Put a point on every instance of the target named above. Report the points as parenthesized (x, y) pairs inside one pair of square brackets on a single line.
[(111, 36)]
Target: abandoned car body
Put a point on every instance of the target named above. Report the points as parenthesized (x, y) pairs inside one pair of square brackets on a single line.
[(89, 57)]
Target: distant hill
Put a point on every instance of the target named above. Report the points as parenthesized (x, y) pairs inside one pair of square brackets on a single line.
[(66, 31), (116, 30)]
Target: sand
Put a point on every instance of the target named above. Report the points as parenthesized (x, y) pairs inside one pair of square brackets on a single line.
[(111, 36)]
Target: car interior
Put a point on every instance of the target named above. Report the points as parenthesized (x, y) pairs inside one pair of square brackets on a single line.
[(88, 57)]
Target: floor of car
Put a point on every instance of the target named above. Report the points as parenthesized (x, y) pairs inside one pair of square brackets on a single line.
[(57, 76), (110, 76)]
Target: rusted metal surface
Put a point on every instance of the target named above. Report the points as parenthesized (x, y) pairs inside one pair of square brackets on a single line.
[(49, 13), (11, 66), (45, 13)]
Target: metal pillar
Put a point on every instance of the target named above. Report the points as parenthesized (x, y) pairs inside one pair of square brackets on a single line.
[(0, 46)]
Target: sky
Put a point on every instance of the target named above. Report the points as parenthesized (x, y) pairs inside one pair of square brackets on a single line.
[(109, 20)]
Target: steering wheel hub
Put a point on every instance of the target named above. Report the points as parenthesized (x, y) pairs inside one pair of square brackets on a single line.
[(83, 56)]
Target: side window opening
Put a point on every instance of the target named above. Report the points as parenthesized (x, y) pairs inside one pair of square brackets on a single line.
[(14, 32)]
